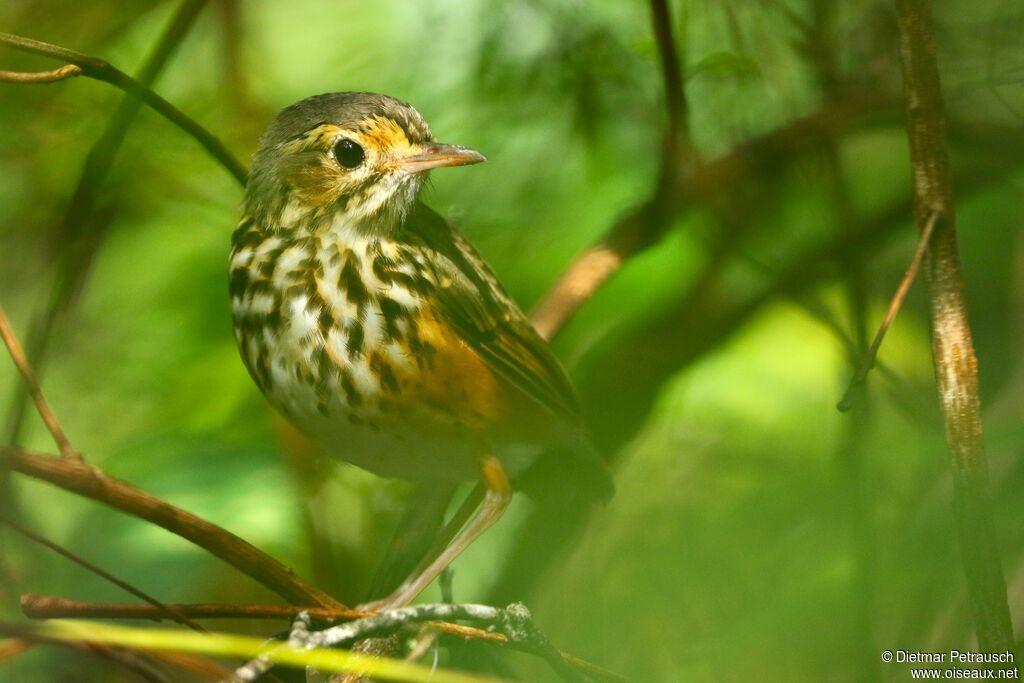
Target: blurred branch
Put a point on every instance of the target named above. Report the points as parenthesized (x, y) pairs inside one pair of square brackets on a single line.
[(101, 70), (617, 372), (41, 77), (49, 419), (677, 132), (78, 477), (956, 368), (644, 225), (641, 226), (629, 384), (135, 662), (204, 668), (14, 647), (107, 576), (868, 361)]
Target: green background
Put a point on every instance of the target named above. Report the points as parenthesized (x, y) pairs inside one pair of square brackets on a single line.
[(757, 532)]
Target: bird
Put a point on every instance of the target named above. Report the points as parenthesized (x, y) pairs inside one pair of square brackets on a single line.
[(375, 328)]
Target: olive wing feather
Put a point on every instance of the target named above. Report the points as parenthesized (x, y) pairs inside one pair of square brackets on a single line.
[(474, 303)]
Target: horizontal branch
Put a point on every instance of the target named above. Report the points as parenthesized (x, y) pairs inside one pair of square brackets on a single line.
[(52, 607), (41, 77), (85, 480), (514, 622), (101, 70)]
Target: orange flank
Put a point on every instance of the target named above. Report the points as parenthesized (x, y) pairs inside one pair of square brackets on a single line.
[(454, 380)]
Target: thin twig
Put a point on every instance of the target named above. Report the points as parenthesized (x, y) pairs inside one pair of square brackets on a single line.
[(49, 419), (868, 362), (165, 610), (51, 607), (101, 70), (956, 366), (255, 668), (41, 77), (90, 482)]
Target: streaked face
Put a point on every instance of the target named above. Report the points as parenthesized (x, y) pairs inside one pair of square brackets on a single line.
[(361, 171), (355, 170)]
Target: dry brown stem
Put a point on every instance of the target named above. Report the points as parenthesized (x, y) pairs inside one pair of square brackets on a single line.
[(29, 377), (895, 305)]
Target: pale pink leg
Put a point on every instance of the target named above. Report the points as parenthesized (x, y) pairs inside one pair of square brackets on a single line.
[(497, 495)]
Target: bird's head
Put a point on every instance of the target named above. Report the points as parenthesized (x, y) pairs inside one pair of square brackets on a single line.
[(344, 159)]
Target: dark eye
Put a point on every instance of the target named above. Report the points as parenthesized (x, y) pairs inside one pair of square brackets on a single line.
[(348, 153)]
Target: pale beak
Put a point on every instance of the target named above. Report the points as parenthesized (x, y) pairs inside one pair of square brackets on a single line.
[(439, 155)]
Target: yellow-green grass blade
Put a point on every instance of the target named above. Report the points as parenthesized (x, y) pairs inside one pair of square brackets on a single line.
[(232, 645)]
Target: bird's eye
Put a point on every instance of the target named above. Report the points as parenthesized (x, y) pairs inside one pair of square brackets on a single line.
[(348, 153)]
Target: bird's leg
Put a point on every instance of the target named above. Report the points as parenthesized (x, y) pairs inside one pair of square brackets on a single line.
[(497, 494)]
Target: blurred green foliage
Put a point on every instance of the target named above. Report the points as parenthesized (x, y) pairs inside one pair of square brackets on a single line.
[(757, 533)]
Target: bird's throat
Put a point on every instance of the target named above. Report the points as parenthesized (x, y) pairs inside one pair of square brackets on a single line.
[(376, 211)]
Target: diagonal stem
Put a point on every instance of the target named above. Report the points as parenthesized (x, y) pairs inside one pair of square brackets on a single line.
[(895, 305), (45, 412), (90, 482), (161, 608)]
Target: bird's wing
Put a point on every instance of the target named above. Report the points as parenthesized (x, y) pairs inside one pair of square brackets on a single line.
[(483, 315)]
